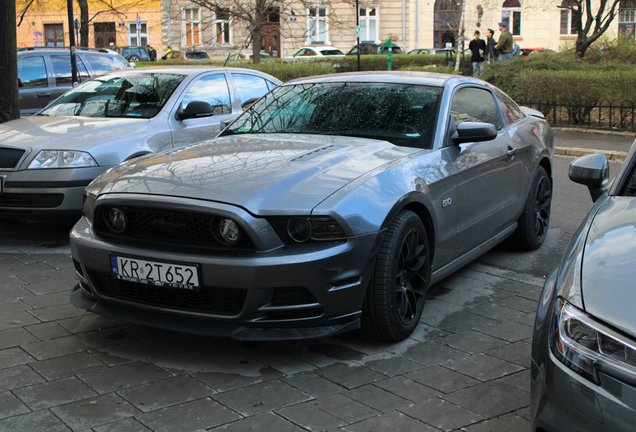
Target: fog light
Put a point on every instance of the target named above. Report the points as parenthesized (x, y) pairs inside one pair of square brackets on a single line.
[(229, 231), (299, 229), (116, 220)]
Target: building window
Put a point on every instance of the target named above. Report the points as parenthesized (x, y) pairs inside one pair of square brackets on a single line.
[(511, 14), (318, 26), (53, 35), (133, 36), (368, 24), (192, 24), (627, 18), (568, 27), (222, 26)]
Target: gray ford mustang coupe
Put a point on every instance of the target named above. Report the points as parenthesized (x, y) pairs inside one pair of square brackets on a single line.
[(332, 204)]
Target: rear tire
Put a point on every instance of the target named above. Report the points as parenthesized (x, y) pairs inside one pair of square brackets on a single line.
[(134, 58), (534, 222), (397, 290)]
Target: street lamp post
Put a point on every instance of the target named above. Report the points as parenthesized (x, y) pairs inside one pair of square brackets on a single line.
[(358, 31), (71, 37)]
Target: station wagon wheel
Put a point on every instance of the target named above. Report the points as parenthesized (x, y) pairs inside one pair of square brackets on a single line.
[(397, 291), (133, 58), (534, 222)]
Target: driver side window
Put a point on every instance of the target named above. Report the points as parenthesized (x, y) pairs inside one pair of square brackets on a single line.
[(475, 105)]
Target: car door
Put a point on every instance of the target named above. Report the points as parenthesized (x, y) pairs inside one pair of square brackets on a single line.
[(213, 88), (487, 176), (35, 92)]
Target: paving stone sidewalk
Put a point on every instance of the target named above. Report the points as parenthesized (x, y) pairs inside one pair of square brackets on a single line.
[(466, 367)]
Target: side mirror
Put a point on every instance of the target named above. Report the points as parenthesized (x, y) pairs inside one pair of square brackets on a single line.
[(195, 109), (133, 64), (20, 83), (591, 171), (474, 132)]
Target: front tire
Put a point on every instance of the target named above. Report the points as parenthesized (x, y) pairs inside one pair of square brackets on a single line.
[(134, 58), (397, 291), (534, 222)]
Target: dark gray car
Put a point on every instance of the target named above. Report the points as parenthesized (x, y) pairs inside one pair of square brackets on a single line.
[(332, 204), (584, 344), (45, 73), (47, 160)]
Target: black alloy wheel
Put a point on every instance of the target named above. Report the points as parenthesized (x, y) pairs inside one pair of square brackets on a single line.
[(532, 228), (397, 292)]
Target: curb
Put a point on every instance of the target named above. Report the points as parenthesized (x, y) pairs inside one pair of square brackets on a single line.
[(595, 131), (577, 151)]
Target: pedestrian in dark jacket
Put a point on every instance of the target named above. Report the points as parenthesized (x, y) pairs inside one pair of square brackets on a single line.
[(491, 43), (477, 47), (152, 53)]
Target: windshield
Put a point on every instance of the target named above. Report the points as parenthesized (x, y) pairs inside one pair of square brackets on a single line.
[(401, 114), (140, 95)]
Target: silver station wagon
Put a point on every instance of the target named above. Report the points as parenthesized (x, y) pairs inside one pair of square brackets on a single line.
[(332, 204), (47, 160)]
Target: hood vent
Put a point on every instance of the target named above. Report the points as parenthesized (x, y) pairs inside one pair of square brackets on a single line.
[(310, 154)]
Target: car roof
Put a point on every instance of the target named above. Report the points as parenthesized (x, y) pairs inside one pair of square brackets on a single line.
[(420, 78), (185, 70), (65, 49)]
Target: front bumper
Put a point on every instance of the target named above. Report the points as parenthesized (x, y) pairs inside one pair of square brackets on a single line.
[(567, 402), (45, 193), (286, 293)]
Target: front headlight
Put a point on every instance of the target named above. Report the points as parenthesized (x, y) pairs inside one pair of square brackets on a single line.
[(587, 346), (301, 229), (62, 159)]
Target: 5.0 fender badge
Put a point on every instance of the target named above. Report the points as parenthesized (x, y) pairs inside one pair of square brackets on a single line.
[(446, 202)]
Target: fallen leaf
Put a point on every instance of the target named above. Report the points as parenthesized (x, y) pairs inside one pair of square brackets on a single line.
[(259, 403)]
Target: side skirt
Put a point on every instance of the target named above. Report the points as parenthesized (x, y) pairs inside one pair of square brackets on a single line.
[(471, 255)]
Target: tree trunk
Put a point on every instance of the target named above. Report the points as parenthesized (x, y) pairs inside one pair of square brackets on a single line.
[(83, 30), (256, 45), (9, 94)]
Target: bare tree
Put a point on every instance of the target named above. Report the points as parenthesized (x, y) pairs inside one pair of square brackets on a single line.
[(596, 23), (9, 99)]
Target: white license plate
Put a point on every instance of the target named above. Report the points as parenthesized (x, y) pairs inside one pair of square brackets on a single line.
[(155, 272)]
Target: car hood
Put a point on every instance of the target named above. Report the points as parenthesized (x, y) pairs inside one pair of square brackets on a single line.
[(264, 174), (64, 133), (608, 279)]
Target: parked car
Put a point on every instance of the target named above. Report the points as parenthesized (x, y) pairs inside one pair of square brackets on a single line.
[(189, 56), (47, 160), (44, 73), (133, 53), (333, 203), (584, 342), (371, 48), (422, 51), (525, 52), (318, 51)]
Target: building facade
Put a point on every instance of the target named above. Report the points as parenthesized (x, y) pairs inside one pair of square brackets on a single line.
[(409, 23), (46, 24)]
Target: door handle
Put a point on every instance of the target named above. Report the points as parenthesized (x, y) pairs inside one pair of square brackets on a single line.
[(44, 94), (511, 151)]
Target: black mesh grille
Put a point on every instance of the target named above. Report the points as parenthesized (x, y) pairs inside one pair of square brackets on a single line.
[(9, 157), (31, 200), (170, 227), (214, 300)]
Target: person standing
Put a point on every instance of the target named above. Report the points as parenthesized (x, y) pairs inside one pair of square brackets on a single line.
[(504, 46), (477, 47), (490, 46), (152, 53), (516, 50)]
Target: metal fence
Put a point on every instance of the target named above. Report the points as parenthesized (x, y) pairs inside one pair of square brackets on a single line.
[(603, 114)]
